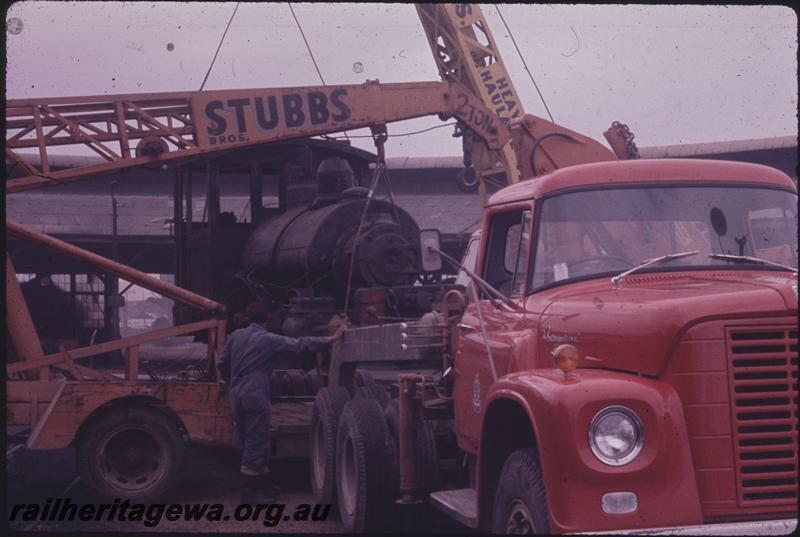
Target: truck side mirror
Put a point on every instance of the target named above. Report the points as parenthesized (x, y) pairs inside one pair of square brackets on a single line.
[(428, 244)]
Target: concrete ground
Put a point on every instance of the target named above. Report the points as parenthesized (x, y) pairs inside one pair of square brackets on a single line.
[(210, 477)]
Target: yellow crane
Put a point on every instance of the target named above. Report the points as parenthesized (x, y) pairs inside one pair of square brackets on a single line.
[(465, 52)]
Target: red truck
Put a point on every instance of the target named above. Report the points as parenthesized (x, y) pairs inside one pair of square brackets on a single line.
[(636, 367)]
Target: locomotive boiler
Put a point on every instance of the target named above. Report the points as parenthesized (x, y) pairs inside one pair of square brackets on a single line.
[(325, 255)]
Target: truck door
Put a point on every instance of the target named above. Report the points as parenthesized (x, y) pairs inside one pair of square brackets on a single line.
[(504, 266)]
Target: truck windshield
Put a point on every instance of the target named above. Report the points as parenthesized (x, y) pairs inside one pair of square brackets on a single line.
[(606, 231)]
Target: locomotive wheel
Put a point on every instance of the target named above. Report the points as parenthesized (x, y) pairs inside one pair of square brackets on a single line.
[(363, 483), (520, 505), (285, 382), (328, 406), (373, 391), (363, 378), (132, 452), (427, 453), (297, 383), (314, 382), (275, 384)]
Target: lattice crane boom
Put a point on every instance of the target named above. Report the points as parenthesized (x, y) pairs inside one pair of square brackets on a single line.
[(465, 52), (154, 129)]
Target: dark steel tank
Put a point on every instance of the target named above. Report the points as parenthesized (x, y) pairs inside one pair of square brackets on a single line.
[(312, 247), (308, 250)]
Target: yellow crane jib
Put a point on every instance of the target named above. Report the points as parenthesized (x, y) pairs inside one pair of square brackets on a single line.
[(152, 129), (465, 52), (227, 117)]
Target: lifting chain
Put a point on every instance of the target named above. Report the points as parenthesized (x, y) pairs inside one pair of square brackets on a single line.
[(628, 136)]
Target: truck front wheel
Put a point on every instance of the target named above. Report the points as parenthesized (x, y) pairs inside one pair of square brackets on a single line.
[(131, 452), (520, 505)]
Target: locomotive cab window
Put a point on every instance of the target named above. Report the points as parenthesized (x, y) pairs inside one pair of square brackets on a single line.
[(507, 251)]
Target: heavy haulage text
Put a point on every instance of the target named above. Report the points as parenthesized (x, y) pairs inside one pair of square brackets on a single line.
[(151, 515)]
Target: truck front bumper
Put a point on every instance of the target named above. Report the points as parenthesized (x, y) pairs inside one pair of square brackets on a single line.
[(763, 527)]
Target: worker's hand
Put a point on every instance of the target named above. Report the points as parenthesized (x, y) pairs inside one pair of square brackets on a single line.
[(338, 334), (337, 319)]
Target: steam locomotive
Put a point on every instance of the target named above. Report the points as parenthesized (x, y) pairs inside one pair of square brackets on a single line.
[(334, 250)]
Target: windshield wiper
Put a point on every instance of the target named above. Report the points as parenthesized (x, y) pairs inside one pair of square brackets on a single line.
[(756, 260), (655, 261)]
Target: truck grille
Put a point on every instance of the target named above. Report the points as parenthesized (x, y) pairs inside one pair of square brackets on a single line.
[(763, 384)]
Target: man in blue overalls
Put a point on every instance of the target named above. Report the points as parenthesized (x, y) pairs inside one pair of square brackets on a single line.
[(245, 363)]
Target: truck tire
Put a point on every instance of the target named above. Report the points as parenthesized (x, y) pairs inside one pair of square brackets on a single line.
[(520, 505), (131, 452), (427, 452), (363, 486), (373, 391), (328, 405)]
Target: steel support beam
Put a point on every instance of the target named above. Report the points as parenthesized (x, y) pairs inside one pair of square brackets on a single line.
[(19, 323), (123, 271)]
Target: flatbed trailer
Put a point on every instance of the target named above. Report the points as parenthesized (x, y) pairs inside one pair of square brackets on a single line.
[(131, 431)]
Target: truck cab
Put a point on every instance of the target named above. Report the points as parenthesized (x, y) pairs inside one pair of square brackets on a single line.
[(644, 372)]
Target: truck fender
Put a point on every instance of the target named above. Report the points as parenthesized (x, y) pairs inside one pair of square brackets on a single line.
[(133, 400), (550, 412), (508, 424), (75, 404)]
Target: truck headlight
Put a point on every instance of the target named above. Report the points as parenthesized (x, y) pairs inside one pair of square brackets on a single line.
[(616, 435)]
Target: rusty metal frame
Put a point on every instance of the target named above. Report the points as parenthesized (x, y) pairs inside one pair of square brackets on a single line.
[(105, 124), (34, 363)]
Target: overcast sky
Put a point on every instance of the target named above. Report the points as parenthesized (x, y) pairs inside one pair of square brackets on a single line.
[(675, 74)]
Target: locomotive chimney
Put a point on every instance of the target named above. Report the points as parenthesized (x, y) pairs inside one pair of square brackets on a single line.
[(334, 176)]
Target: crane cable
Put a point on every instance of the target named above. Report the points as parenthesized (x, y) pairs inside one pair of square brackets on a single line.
[(310, 52), (403, 133), (219, 46), (535, 85), (308, 47)]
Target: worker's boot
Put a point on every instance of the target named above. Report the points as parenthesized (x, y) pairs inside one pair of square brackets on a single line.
[(268, 488), (252, 489)]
